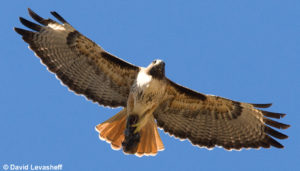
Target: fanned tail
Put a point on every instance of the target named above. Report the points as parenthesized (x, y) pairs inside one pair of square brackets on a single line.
[(150, 142), (112, 131)]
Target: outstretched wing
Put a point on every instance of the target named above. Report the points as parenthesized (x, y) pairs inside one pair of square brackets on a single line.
[(209, 121), (78, 62)]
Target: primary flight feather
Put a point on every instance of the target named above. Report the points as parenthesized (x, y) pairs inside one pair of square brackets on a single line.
[(149, 99)]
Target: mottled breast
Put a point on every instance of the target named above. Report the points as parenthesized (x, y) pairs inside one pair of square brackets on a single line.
[(147, 92)]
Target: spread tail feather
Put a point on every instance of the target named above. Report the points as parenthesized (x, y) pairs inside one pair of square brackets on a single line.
[(112, 131), (150, 142), (158, 142)]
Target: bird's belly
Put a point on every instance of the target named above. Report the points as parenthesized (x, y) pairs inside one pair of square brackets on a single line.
[(143, 102), (146, 97)]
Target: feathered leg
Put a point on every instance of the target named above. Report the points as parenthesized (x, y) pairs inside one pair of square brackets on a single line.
[(132, 138)]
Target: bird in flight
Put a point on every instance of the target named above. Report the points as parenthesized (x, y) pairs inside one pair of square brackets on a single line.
[(148, 98)]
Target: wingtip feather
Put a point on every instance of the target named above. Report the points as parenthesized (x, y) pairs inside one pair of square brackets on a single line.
[(275, 133), (22, 32), (275, 124), (16, 29), (37, 18), (266, 105), (273, 142), (59, 17), (272, 114), (30, 24)]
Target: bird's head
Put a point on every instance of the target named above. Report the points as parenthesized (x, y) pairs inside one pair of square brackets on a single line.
[(157, 69)]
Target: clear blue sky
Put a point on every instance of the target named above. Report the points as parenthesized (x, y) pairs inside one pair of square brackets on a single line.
[(243, 50)]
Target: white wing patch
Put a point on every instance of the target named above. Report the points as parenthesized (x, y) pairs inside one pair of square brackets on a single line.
[(56, 26)]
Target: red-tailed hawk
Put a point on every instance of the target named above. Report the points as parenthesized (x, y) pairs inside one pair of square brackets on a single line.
[(149, 99)]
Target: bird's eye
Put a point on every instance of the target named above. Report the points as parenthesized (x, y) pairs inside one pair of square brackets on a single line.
[(154, 61)]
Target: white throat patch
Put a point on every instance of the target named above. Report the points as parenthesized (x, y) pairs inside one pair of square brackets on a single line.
[(143, 79)]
